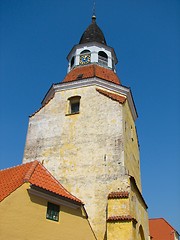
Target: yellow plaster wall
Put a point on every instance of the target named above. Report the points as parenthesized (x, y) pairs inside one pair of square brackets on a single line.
[(138, 211), (23, 217), (119, 231), (118, 207), (133, 206), (131, 149)]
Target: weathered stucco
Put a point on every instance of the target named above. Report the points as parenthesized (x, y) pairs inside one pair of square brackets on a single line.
[(89, 152), (132, 215), (118, 230), (131, 145)]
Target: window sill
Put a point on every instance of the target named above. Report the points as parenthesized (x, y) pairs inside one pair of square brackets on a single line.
[(51, 219), (69, 114)]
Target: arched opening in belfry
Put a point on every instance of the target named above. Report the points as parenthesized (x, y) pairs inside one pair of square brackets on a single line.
[(72, 61), (85, 51), (102, 58)]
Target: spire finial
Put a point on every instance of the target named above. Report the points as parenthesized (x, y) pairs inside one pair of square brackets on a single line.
[(94, 12)]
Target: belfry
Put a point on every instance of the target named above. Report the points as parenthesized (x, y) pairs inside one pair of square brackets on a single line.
[(85, 135)]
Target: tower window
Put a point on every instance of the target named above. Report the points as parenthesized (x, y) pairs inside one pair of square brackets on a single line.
[(85, 51), (75, 107), (74, 104), (102, 58), (52, 212)]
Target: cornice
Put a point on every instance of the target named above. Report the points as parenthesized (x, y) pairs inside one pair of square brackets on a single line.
[(90, 82), (53, 199), (127, 218), (118, 195)]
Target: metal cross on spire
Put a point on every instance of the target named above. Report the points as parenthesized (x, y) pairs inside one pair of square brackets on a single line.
[(94, 8), (94, 12)]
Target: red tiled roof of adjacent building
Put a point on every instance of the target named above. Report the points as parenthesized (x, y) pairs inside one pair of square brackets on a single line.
[(127, 218), (160, 229), (34, 173), (113, 96), (116, 195), (90, 71)]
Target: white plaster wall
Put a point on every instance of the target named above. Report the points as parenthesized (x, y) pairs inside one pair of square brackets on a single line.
[(94, 54)]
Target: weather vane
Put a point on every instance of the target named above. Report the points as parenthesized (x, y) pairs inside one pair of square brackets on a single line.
[(94, 8)]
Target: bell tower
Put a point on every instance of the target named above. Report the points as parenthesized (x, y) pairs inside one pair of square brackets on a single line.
[(85, 135), (92, 48)]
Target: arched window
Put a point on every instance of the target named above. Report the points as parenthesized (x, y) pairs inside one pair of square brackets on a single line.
[(74, 104), (102, 58), (72, 62), (85, 51)]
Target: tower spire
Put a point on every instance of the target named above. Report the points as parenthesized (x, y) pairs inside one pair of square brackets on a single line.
[(94, 11)]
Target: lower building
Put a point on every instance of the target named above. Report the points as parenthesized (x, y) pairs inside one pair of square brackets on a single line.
[(34, 205)]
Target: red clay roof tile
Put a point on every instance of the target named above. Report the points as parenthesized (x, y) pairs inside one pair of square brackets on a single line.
[(34, 173), (127, 218), (116, 195), (113, 96), (160, 229), (91, 71)]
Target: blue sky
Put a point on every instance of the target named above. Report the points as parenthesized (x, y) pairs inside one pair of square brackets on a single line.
[(36, 37)]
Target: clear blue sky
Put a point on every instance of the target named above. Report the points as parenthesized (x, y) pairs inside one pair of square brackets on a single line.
[(36, 37)]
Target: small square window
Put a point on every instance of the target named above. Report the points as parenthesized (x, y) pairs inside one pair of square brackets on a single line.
[(52, 212), (74, 105)]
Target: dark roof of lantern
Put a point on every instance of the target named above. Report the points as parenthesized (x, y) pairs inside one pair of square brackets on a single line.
[(93, 33)]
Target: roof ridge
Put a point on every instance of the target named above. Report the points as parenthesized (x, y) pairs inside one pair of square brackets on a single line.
[(36, 174), (19, 165), (164, 221), (112, 95), (31, 170), (58, 182), (94, 68), (34, 113)]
